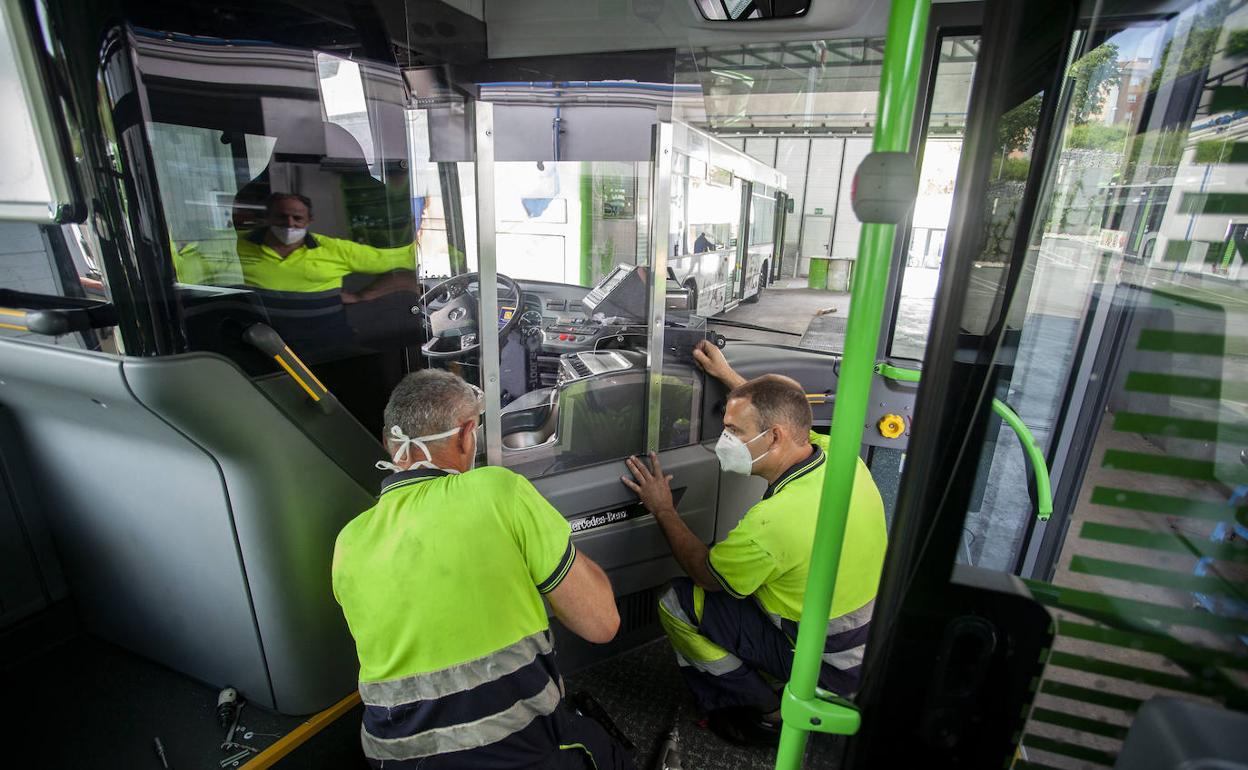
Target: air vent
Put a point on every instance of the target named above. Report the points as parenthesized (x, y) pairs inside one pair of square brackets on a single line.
[(639, 610)]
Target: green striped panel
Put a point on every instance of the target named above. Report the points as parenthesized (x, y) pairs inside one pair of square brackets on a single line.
[(1084, 602), (1082, 724), (1214, 203), (1221, 151), (1054, 746), (1155, 577), (1176, 682), (1180, 427), (1188, 296), (1161, 464), (1087, 695), (1158, 503), (1175, 385), (1182, 342), (1176, 251), (1228, 99), (1162, 541), (1173, 649)]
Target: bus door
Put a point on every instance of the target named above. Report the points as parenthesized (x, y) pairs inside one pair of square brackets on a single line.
[(781, 223), (1127, 373), (740, 249)]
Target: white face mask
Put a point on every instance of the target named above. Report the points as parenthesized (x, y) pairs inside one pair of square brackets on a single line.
[(289, 235), (734, 454), (405, 446)]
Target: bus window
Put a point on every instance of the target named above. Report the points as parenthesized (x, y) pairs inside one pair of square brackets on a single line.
[(942, 149), (41, 263)]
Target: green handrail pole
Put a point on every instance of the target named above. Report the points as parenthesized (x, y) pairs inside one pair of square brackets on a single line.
[(1035, 455), (899, 82)]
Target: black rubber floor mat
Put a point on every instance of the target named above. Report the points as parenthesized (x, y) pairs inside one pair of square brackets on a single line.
[(644, 693)]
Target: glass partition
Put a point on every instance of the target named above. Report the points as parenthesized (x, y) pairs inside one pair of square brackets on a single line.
[(577, 204)]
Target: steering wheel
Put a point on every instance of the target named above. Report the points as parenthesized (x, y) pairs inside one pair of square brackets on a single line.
[(453, 327)]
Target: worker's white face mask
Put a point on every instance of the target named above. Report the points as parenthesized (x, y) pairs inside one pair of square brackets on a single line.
[(289, 235), (405, 447), (734, 454)]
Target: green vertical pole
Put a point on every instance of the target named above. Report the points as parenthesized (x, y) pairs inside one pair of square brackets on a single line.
[(802, 710), (587, 224)]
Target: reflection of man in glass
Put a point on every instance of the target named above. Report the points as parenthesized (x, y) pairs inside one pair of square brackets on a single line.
[(703, 244), (284, 255)]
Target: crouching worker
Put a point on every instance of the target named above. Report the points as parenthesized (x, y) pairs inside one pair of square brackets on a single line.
[(442, 582), (733, 621)]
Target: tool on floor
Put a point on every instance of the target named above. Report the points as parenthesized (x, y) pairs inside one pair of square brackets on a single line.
[(229, 736), (227, 704), (587, 706), (668, 757), (160, 754), (234, 758)]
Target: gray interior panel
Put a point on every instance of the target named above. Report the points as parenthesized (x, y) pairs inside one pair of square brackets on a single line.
[(737, 494), (814, 370), (27, 541), (23, 590), (338, 434), (817, 372), (596, 133), (289, 502), (634, 552), (139, 514), (890, 397)]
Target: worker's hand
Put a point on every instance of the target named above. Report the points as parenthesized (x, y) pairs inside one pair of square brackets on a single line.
[(712, 361), (650, 484)]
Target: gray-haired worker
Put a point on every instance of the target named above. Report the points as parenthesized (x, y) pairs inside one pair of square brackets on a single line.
[(442, 582)]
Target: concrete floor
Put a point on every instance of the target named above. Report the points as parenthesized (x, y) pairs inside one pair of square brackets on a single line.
[(786, 306), (789, 306)]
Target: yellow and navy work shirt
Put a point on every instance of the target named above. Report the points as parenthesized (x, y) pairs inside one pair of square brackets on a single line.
[(441, 583), (319, 264), (767, 555)]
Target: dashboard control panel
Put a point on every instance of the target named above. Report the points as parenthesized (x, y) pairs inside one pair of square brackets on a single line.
[(567, 337)]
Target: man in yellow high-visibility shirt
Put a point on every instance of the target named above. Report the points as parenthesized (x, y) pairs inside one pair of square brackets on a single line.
[(299, 275), (285, 256), (735, 618), (442, 585)]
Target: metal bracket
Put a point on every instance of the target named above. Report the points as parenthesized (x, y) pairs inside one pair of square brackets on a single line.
[(825, 713)]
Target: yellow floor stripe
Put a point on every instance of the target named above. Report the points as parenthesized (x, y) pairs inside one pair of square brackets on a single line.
[(301, 734), (14, 327)]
